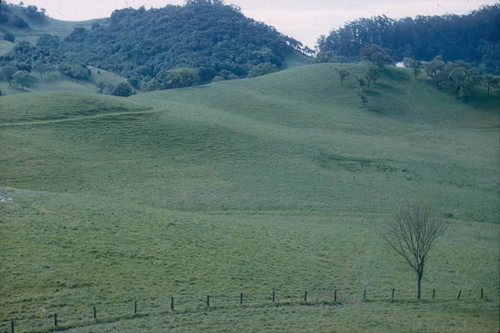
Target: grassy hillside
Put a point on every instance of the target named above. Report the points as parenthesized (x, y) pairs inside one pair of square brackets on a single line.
[(35, 27), (55, 81), (275, 183)]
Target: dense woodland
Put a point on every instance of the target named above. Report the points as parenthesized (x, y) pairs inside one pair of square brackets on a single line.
[(215, 39), (473, 38)]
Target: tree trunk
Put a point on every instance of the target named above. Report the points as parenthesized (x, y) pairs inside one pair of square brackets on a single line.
[(419, 283)]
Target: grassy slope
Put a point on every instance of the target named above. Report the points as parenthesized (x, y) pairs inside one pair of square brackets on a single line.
[(54, 81), (35, 29), (279, 182)]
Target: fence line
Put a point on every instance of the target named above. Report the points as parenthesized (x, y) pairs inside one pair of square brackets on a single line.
[(188, 303)]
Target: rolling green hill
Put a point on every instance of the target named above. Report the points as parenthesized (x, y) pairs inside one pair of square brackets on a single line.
[(279, 182), (28, 25)]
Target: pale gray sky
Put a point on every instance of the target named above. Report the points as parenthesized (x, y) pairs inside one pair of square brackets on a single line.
[(304, 20)]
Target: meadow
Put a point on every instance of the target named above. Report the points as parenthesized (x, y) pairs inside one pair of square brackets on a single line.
[(278, 183)]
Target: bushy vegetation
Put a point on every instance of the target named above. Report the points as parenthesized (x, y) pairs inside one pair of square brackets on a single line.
[(474, 38)]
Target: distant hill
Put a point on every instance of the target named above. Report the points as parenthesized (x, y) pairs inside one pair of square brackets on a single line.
[(215, 39), (474, 38), (206, 35)]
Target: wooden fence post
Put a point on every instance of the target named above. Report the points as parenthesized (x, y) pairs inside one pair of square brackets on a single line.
[(241, 298), (459, 294), (392, 297), (55, 319), (482, 290), (95, 312), (12, 326), (305, 296), (172, 303), (364, 293), (335, 295), (273, 296), (208, 300), (135, 307)]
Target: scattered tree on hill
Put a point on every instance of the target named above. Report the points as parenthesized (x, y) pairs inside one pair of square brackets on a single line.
[(100, 87), (489, 81), (8, 72), (218, 78), (415, 65), (262, 69), (122, 90), (181, 77), (43, 68), (464, 80), (361, 81), (411, 234), (372, 75), (437, 71), (23, 79), (343, 73), (328, 57), (375, 55), (151, 85), (362, 96), (75, 72)]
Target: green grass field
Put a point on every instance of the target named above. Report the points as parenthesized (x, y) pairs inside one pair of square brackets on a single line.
[(278, 183)]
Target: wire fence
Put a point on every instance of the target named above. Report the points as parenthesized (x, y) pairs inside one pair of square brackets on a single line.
[(64, 317)]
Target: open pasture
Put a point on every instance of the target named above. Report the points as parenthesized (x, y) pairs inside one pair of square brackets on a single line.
[(279, 183)]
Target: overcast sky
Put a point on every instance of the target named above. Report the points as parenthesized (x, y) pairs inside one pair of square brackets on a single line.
[(304, 20)]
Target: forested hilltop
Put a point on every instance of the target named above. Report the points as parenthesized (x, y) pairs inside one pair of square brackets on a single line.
[(474, 38), (213, 38)]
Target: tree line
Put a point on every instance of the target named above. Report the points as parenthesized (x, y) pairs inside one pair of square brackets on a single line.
[(473, 38)]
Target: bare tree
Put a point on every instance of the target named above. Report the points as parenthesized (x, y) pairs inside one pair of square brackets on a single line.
[(411, 234)]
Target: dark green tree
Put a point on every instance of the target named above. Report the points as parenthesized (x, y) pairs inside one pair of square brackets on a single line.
[(375, 55), (23, 79), (151, 85), (343, 73), (100, 87), (262, 69), (181, 77), (8, 72), (415, 65), (361, 81), (438, 71), (362, 96), (464, 80), (75, 72), (122, 90), (43, 68), (489, 81), (372, 75)]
